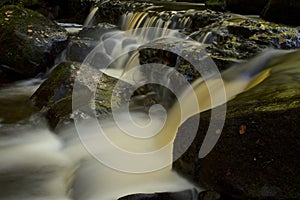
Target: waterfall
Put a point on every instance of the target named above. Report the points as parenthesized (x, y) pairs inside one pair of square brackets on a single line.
[(171, 20), (130, 151), (91, 17)]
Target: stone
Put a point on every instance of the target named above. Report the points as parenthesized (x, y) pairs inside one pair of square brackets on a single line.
[(256, 156), (235, 39), (81, 44), (55, 95), (29, 42)]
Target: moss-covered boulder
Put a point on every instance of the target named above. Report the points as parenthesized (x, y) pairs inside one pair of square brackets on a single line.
[(282, 11), (256, 156), (54, 96), (29, 43)]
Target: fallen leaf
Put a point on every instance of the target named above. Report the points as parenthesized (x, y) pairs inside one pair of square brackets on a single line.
[(242, 129)]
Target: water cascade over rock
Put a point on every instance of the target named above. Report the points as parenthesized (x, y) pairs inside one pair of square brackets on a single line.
[(135, 100)]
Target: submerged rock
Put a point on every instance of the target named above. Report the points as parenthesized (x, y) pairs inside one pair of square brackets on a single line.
[(29, 42), (256, 156)]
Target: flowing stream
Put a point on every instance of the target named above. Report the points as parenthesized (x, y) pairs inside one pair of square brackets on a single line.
[(38, 164)]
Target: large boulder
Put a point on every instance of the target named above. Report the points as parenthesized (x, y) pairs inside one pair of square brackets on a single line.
[(256, 156), (54, 96), (29, 42), (63, 10), (282, 11)]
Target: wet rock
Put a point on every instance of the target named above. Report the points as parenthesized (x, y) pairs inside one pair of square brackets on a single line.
[(54, 96), (58, 85), (81, 44), (113, 11), (229, 41), (77, 50), (281, 11), (256, 156), (183, 195), (63, 10), (29, 42), (238, 38)]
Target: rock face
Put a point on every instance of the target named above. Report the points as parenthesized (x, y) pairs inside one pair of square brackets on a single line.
[(282, 11), (29, 43), (256, 156)]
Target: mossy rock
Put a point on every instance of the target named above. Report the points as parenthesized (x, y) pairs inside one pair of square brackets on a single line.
[(256, 156), (237, 38), (29, 43), (55, 95)]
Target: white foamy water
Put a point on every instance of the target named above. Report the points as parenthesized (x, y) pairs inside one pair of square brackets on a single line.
[(38, 164)]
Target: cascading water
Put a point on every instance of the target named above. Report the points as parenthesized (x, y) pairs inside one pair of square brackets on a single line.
[(36, 164)]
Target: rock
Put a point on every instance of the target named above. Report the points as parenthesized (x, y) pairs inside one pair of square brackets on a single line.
[(182, 195), (63, 10), (248, 7), (209, 195), (58, 85), (282, 11), (54, 96), (256, 156), (238, 38), (81, 44), (113, 11), (231, 40), (29, 42)]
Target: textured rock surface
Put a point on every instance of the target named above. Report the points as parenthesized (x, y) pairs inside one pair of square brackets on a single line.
[(29, 43), (54, 96), (256, 155), (238, 38)]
